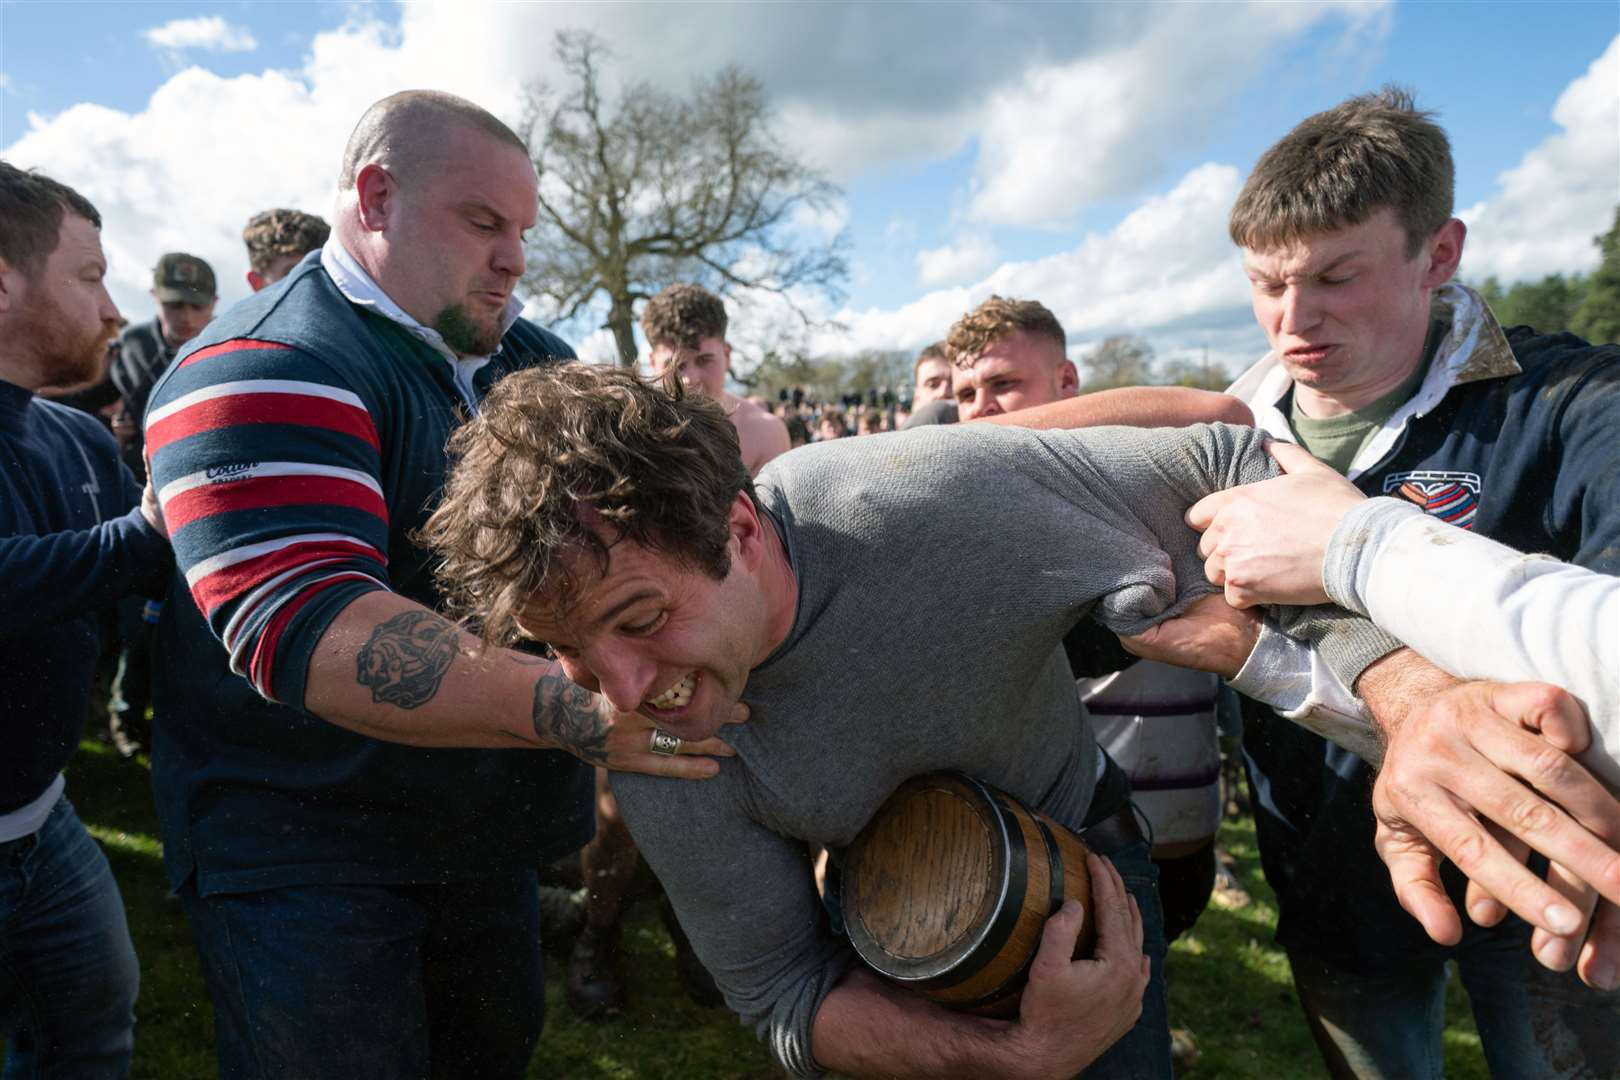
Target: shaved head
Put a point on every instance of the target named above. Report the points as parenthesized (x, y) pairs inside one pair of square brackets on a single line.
[(406, 131)]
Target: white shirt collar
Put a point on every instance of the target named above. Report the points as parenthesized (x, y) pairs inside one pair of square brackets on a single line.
[(1474, 348), (357, 285)]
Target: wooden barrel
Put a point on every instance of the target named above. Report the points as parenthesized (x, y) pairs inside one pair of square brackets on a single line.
[(947, 889)]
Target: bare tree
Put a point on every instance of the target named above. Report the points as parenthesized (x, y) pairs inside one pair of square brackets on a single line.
[(1122, 360), (656, 189)]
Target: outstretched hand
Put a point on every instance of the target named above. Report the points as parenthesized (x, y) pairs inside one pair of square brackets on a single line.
[(1481, 773), (1265, 543)]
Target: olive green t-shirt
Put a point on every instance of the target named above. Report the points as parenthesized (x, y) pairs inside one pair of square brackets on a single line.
[(1338, 439)]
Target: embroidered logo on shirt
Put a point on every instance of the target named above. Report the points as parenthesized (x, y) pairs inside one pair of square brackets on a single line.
[(1453, 497), (235, 470)]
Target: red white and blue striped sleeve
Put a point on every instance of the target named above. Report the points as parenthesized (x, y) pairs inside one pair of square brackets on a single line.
[(267, 465)]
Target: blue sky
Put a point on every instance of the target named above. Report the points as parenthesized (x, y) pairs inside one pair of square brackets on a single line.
[(1083, 154)]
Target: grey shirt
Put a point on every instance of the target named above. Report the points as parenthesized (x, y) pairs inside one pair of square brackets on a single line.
[(1027, 532)]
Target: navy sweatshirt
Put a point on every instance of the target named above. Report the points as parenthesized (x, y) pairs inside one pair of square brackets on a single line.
[(297, 445), (70, 545)]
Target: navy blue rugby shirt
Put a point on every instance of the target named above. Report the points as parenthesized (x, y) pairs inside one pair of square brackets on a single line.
[(297, 444)]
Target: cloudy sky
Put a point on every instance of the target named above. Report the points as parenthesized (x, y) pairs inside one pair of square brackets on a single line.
[(1085, 155)]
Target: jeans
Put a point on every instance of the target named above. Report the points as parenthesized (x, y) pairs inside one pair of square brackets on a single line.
[(68, 975), (391, 982), (1533, 1023), (1144, 1051)]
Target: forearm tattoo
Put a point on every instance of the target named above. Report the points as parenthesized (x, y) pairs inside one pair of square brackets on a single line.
[(567, 714), (404, 660)]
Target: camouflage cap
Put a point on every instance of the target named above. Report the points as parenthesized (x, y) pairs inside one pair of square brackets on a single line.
[(183, 277)]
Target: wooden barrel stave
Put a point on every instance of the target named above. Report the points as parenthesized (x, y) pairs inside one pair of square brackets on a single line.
[(984, 967)]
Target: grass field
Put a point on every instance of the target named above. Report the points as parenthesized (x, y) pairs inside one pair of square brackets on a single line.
[(1228, 983)]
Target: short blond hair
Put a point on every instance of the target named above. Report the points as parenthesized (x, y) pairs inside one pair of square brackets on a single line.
[(995, 319)]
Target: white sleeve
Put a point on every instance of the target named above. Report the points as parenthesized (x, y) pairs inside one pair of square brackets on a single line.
[(1481, 610), (1291, 677)]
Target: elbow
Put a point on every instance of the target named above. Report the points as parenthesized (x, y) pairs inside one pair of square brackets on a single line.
[(1226, 409)]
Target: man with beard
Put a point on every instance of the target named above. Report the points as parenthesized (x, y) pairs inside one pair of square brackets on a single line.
[(357, 862), (72, 541)]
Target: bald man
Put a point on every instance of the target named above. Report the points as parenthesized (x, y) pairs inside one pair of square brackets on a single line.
[(351, 801)]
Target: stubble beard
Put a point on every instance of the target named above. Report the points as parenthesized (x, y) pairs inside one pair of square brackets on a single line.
[(464, 334), (63, 355)]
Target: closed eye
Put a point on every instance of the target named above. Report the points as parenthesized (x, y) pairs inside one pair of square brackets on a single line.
[(650, 626)]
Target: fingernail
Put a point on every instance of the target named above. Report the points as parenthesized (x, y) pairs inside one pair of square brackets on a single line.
[(1606, 975), (1482, 911), (1554, 953), (1071, 907), (1562, 919)]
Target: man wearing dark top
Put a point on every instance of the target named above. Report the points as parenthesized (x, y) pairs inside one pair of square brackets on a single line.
[(351, 802), (1403, 381), (183, 286), (73, 540)]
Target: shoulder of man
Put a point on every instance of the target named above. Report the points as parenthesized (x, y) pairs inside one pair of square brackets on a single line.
[(1560, 354)]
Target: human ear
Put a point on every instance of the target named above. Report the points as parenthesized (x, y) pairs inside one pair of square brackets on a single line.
[(374, 190), (1445, 253), (746, 528)]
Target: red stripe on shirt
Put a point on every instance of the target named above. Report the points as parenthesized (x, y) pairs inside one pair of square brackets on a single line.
[(227, 583), (229, 347), (296, 410), (261, 666), (267, 491)]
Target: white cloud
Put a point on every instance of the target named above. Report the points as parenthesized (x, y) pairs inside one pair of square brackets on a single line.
[(210, 33), (186, 171), (1166, 272), (1561, 194), (970, 255), (1102, 125)]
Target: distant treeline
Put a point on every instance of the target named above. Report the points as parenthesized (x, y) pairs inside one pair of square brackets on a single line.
[(1586, 305)]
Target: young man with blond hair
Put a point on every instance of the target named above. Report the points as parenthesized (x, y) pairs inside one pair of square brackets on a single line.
[(1008, 355)]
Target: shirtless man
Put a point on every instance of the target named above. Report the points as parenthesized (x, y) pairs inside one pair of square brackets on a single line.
[(686, 330)]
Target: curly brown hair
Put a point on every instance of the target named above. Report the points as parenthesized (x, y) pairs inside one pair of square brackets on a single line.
[(271, 234), (995, 319), (1340, 167), (555, 449), (683, 315)]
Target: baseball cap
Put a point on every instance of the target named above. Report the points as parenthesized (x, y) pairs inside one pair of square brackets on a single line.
[(183, 277)]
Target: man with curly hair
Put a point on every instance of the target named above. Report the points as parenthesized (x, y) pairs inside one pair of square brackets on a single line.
[(1008, 355), (588, 510), (277, 239)]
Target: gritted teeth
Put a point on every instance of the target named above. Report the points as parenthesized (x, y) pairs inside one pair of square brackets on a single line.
[(677, 695)]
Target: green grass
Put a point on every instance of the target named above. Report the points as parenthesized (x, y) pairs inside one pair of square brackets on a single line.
[(1228, 983)]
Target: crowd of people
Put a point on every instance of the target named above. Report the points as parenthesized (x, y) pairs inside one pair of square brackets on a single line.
[(418, 604)]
